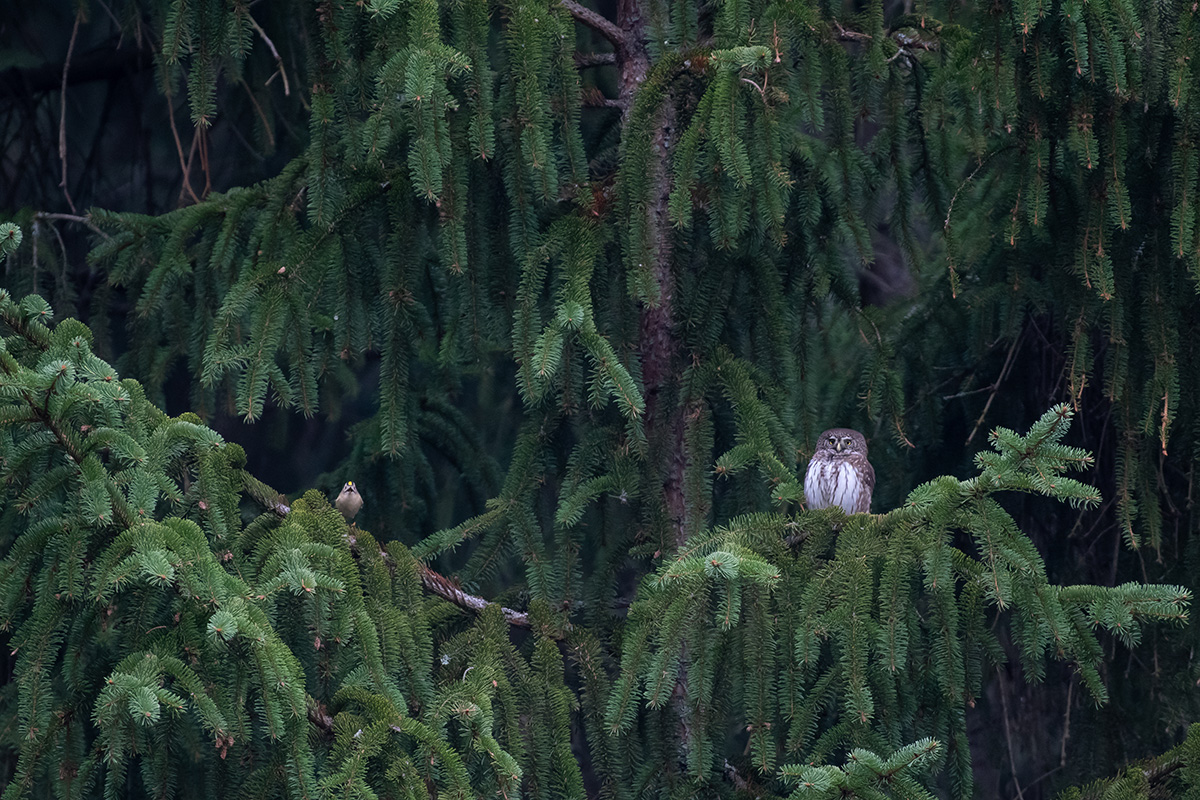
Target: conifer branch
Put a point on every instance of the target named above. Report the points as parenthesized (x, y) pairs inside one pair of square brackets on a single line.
[(995, 387)]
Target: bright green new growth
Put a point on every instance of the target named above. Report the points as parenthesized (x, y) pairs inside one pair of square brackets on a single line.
[(10, 239)]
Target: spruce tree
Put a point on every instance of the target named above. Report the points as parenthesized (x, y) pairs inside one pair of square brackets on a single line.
[(642, 228)]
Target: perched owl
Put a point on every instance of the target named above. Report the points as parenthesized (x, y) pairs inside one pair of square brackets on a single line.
[(839, 473)]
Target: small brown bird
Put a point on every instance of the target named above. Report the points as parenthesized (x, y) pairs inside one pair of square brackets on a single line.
[(349, 501)]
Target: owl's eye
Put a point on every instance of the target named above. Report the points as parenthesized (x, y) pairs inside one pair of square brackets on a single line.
[(832, 440), (846, 440)]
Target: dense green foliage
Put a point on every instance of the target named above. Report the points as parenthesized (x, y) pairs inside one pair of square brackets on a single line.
[(147, 619), (582, 285), (152, 628)]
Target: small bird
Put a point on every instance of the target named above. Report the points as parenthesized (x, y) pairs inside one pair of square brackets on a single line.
[(839, 473), (349, 501)]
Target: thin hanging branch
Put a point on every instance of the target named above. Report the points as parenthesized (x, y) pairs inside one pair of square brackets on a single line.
[(287, 89), (62, 112)]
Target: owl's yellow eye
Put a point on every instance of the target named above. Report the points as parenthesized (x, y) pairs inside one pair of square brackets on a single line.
[(832, 440), (846, 440)]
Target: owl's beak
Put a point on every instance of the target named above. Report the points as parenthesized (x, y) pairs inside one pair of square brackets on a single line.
[(839, 445)]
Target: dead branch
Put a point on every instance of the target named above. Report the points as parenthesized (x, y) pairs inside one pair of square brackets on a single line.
[(62, 112)]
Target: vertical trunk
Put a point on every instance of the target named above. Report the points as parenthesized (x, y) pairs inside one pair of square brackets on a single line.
[(657, 343)]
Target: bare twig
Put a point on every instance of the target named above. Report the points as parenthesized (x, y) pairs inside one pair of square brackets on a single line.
[(950, 211), (1062, 752), (261, 115), (183, 163), (82, 220), (116, 22), (202, 134), (995, 387), (287, 91), (1012, 763), (62, 111)]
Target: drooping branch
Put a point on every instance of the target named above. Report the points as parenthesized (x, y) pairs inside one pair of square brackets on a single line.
[(40, 411)]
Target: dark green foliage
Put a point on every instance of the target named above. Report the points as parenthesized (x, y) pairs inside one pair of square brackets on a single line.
[(853, 640), (1175, 773), (147, 619), (161, 643), (580, 292)]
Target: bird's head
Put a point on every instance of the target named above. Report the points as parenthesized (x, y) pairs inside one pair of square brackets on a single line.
[(842, 442)]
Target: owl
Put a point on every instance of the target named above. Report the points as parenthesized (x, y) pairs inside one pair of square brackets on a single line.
[(839, 473)]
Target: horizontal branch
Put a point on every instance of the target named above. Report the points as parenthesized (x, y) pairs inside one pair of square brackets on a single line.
[(584, 60), (82, 220), (601, 25), (433, 581), (903, 40), (851, 36), (446, 589)]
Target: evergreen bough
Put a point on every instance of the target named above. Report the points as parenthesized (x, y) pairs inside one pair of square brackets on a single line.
[(162, 620)]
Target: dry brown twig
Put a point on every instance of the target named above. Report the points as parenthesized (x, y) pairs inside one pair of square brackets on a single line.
[(287, 89), (62, 111)]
